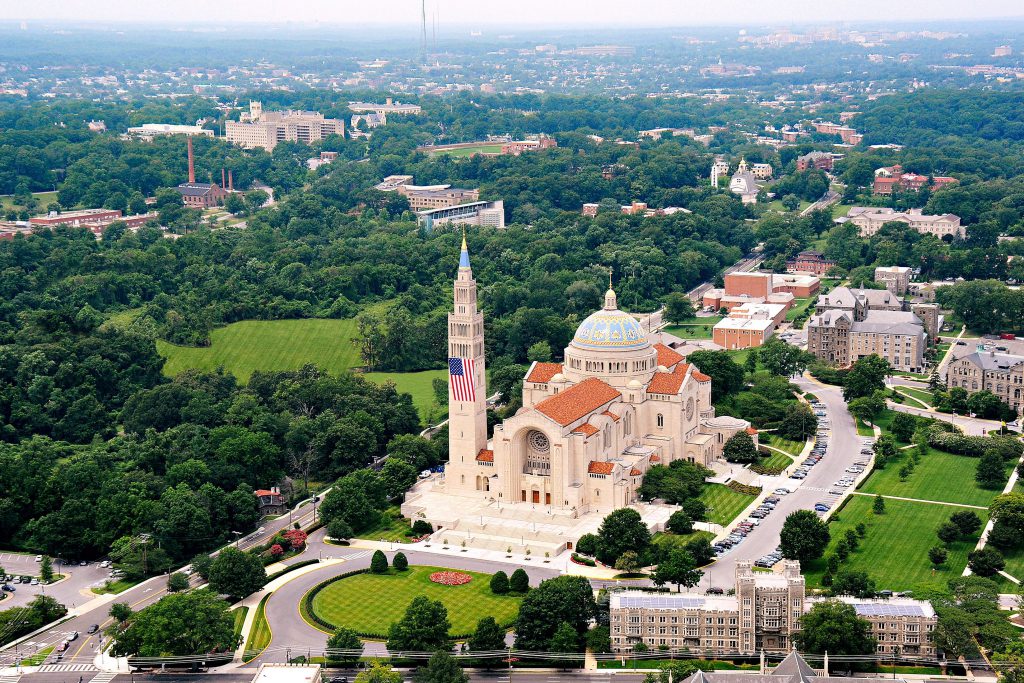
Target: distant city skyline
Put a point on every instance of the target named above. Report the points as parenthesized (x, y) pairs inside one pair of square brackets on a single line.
[(520, 13)]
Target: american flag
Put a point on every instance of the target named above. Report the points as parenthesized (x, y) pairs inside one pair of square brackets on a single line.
[(460, 374)]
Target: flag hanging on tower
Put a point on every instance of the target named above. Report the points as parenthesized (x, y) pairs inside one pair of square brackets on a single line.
[(461, 378)]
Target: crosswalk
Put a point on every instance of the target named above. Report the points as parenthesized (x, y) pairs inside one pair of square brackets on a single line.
[(104, 677), (356, 556), (10, 679), (60, 668)]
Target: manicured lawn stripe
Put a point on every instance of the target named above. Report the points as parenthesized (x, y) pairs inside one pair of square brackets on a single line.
[(939, 476), (260, 635), (420, 386), (392, 527), (669, 539), (920, 394), (777, 461), (239, 614), (346, 602), (895, 550), (724, 503), (791, 447)]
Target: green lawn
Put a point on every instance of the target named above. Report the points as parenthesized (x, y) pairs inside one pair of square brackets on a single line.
[(484, 147), (920, 394), (939, 476), (724, 503), (791, 447), (345, 603), (250, 345), (420, 386), (392, 527), (666, 538), (895, 550), (863, 429), (776, 461), (38, 658), (694, 328), (115, 587), (44, 199), (1015, 563), (260, 634), (799, 306), (840, 210), (239, 614)]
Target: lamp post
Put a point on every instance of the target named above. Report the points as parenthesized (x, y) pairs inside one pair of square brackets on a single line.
[(238, 537)]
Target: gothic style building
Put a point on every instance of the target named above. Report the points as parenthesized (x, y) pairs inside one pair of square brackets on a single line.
[(589, 428)]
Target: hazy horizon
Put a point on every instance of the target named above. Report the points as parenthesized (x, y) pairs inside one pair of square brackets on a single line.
[(524, 13)]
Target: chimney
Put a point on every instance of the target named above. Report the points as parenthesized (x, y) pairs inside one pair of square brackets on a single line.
[(222, 185), (191, 162), (231, 182)]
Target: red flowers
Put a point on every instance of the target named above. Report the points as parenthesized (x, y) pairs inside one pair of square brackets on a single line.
[(296, 538), (276, 550), (450, 578)]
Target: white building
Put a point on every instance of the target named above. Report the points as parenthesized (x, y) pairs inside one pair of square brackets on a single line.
[(148, 131)]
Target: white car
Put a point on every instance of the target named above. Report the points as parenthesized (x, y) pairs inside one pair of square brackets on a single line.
[(425, 474), (39, 558)]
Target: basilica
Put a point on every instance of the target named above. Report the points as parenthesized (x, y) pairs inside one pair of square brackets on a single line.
[(589, 429)]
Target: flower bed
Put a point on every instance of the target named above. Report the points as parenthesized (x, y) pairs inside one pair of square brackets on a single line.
[(450, 578)]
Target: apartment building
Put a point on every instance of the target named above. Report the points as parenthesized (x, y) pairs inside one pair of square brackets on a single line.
[(810, 261), (896, 278), (762, 171), (899, 337), (531, 144), (763, 614), (870, 220), (1000, 373), (265, 129), (480, 214)]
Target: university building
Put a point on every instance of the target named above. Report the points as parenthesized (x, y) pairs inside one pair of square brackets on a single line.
[(870, 220), (1000, 373), (265, 129)]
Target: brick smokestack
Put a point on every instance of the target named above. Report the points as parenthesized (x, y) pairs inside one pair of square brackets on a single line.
[(222, 177), (191, 163), (231, 182)]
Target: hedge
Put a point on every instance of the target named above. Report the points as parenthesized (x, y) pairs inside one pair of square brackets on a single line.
[(585, 561), (975, 446), (306, 609), (289, 568)]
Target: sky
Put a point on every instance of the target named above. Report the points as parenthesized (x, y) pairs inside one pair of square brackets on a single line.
[(518, 12)]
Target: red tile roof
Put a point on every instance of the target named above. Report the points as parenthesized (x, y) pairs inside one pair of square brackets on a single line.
[(751, 431), (586, 428), (577, 401), (262, 493), (667, 356), (485, 455), (669, 382), (600, 467), (610, 414), (543, 372), (700, 376), (635, 472), (655, 458)]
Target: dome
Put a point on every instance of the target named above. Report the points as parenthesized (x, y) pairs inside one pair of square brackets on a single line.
[(634, 384), (557, 377), (610, 329)]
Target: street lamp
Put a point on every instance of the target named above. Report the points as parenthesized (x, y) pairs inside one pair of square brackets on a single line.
[(238, 537)]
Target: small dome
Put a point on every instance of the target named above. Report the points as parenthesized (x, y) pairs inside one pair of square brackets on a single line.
[(662, 368), (634, 384), (557, 377)]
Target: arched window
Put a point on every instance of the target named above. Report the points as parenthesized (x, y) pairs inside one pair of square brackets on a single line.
[(661, 420)]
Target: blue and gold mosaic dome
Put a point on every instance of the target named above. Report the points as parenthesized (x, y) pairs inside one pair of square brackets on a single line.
[(610, 328)]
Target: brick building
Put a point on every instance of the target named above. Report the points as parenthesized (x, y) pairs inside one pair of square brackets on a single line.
[(809, 261)]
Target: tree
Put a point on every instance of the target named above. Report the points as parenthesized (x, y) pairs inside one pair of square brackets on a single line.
[(866, 408), (885, 450), (565, 640), (855, 583), (179, 624), (234, 203), (46, 570), (967, 521), (378, 562), (378, 673), (834, 627), (782, 359), (499, 583), (903, 426), (990, 473), (986, 561), (487, 637), (804, 536), (587, 545), (620, 531), (791, 202), (954, 633), (598, 640), (442, 667), (339, 530), (519, 582), (346, 646), (740, 448), (255, 199), (567, 599), (237, 573), (678, 568), (423, 628), (866, 376), (121, 612), (798, 422), (400, 562), (937, 555), (878, 507), (726, 375), (948, 532), (539, 352), (680, 523), (678, 307), (628, 562), (177, 582), (750, 364)]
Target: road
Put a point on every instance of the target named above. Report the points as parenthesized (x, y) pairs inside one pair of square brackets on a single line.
[(497, 675), (826, 201), (94, 609)]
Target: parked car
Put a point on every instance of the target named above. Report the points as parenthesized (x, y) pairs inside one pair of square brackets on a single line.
[(39, 558), (780, 492), (821, 507), (715, 591), (92, 629), (7, 587)]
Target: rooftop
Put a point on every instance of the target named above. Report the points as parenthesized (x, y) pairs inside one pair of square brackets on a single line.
[(577, 401)]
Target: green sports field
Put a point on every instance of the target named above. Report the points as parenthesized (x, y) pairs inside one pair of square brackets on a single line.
[(895, 551), (483, 148), (724, 503), (939, 476), (420, 386), (344, 603)]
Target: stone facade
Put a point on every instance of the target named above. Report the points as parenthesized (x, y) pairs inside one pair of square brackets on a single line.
[(1002, 374), (896, 278), (837, 337)]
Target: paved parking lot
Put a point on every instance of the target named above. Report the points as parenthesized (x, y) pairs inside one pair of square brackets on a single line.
[(71, 591)]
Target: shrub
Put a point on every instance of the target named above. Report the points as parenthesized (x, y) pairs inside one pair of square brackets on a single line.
[(378, 563), (680, 523), (585, 561), (519, 582), (422, 527), (400, 562), (339, 530), (587, 544), (499, 583)]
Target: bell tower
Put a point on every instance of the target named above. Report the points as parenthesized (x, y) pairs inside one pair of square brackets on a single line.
[(467, 379)]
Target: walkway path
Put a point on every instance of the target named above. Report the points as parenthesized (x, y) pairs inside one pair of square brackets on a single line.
[(1011, 482), (919, 500)]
